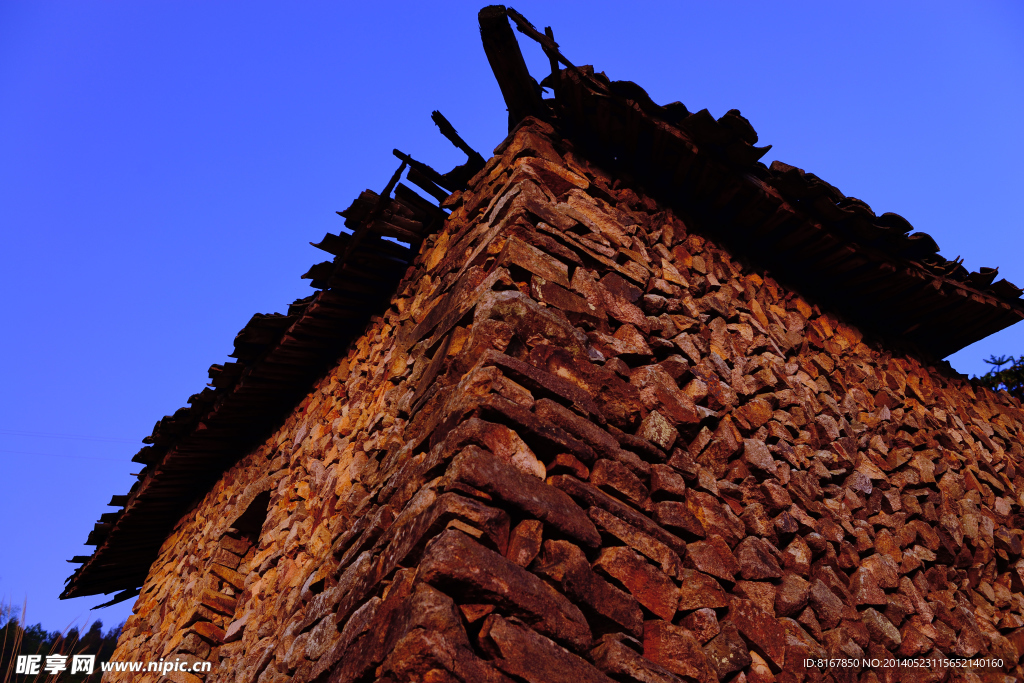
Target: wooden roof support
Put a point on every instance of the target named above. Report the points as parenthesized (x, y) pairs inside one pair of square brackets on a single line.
[(521, 92), (448, 130)]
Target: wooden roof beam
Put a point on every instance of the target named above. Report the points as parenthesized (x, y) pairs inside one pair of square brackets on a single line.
[(520, 91)]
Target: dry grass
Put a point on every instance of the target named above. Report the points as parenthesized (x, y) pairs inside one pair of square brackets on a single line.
[(15, 645), (16, 636)]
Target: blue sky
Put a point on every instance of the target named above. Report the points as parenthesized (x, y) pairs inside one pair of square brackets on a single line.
[(164, 165)]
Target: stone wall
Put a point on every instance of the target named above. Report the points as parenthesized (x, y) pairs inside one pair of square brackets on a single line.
[(587, 444)]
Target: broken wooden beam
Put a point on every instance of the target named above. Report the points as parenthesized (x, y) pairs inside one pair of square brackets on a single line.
[(520, 91)]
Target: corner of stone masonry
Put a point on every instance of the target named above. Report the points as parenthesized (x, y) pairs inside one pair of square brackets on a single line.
[(584, 443)]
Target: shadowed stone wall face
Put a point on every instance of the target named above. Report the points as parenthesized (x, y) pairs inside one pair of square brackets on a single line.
[(587, 444)]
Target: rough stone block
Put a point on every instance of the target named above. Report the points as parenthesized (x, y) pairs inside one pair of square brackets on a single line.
[(521, 652), (454, 559), (648, 584), (488, 473), (677, 650)]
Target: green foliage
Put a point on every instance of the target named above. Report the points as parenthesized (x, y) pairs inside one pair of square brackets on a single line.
[(35, 640), (1009, 379)]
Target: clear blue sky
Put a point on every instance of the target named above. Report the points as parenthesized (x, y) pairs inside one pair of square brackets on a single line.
[(164, 165)]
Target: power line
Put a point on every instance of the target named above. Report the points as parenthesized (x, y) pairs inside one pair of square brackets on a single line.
[(63, 455), (12, 432)]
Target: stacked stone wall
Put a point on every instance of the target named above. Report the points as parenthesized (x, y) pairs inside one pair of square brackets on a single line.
[(587, 444)]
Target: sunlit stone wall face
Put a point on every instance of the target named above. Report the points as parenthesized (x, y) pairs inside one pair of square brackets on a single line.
[(586, 443)]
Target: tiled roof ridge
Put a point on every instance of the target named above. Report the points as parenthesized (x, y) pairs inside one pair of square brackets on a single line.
[(872, 269), (734, 138), (889, 231)]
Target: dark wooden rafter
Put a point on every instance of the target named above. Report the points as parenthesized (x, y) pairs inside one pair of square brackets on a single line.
[(448, 130), (520, 91), (436, 184)]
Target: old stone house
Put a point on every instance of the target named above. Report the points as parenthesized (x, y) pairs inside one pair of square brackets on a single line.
[(632, 406)]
